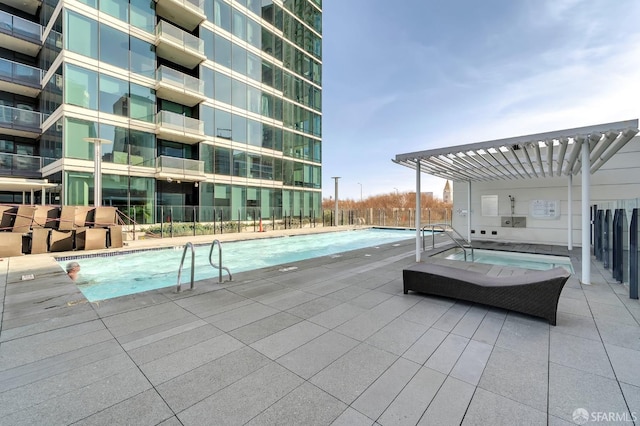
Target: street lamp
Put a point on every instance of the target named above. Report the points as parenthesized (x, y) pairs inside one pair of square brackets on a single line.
[(336, 193), (360, 191), (97, 168)]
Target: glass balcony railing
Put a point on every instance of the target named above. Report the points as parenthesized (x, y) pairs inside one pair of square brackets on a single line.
[(20, 73), (179, 80), (20, 165), (189, 42), (181, 166), (13, 25), (20, 119), (179, 122)]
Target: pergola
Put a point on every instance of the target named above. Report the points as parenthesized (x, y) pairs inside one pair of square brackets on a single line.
[(24, 185), (569, 152)]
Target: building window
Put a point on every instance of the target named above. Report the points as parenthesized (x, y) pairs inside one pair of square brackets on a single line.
[(80, 87), (81, 35)]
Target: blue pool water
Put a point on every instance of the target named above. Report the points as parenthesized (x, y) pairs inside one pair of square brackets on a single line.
[(508, 258), (114, 276)]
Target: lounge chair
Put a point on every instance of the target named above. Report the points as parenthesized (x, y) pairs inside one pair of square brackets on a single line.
[(24, 219), (40, 240), (535, 293), (61, 240), (10, 244), (91, 239), (115, 236), (45, 217), (7, 213), (104, 217)]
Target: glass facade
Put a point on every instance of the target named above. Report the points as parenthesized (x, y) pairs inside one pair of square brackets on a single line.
[(246, 111)]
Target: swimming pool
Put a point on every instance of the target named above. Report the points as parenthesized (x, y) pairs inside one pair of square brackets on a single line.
[(135, 272), (509, 258)]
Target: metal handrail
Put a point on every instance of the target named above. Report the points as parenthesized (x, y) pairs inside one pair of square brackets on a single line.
[(444, 227), (219, 268), (193, 261)]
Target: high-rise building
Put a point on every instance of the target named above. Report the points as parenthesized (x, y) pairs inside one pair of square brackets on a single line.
[(205, 107)]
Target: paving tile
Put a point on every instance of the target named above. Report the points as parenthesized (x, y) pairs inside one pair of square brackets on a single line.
[(470, 322), (425, 312), (516, 377), (605, 297), (241, 316), (425, 346), (334, 317), (577, 325), (45, 321), (449, 405), (36, 347), (583, 354), (626, 336), (413, 400), (632, 398), (351, 417), (315, 355), (369, 299), (472, 362), (574, 306), (284, 341), (347, 293), (314, 307), (179, 362), (612, 313), (243, 400), (447, 354), (528, 337), (144, 318), (23, 397), (200, 383), (489, 329), (397, 336), (212, 303), (146, 408), (81, 403), (570, 389), (265, 327), (288, 299), (626, 364), (350, 375), (370, 322), (377, 397), (450, 319), (57, 364), (305, 405), (162, 344), (487, 408)]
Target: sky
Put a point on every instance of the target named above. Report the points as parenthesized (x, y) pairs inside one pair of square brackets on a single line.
[(411, 75)]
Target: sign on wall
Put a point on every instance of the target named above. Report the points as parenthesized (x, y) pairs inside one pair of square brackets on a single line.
[(545, 209)]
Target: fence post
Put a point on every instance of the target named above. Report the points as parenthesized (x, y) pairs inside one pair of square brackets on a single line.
[(221, 224), (301, 219), (194, 221), (254, 220), (238, 220), (161, 221), (171, 221), (214, 221)]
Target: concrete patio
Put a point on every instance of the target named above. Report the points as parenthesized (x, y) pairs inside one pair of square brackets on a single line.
[(332, 342)]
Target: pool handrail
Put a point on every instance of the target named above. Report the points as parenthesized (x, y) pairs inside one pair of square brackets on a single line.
[(444, 227), (193, 257), (220, 267)]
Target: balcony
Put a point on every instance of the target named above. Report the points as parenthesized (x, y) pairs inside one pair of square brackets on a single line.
[(20, 122), (179, 169), (179, 87), (178, 46), (28, 6), (19, 78), (178, 128), (20, 35), (186, 13), (26, 166)]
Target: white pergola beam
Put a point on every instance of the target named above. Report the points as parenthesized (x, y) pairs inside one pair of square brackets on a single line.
[(561, 154), (550, 156)]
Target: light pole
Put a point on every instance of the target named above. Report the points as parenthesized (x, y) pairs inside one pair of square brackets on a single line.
[(360, 191), (336, 194), (97, 168)]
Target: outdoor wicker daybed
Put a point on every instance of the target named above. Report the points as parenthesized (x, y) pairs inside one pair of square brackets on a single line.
[(535, 293)]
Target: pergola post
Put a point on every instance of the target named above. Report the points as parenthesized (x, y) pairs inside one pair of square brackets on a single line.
[(468, 211), (570, 214), (586, 223), (418, 215)]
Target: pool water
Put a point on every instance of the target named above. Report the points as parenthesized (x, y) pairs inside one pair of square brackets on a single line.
[(508, 258), (134, 272)]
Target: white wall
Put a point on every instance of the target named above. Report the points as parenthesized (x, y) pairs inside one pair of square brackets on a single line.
[(618, 179)]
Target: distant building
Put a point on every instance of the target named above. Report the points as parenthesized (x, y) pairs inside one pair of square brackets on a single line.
[(447, 196), (428, 194)]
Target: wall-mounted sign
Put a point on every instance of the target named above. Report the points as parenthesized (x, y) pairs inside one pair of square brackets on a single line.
[(545, 209)]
